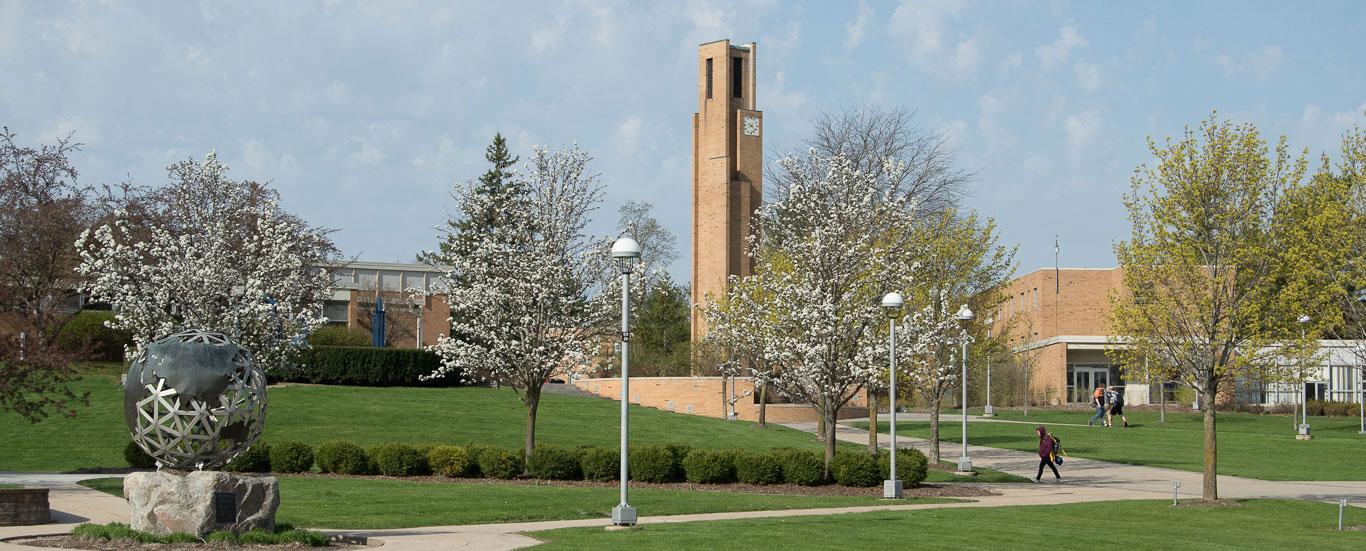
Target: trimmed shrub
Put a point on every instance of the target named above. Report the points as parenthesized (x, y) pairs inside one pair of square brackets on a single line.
[(911, 466), (291, 457), (500, 463), (764, 467), (552, 463), (856, 469), (342, 458), (652, 464), (365, 366), (709, 466), (804, 468), (137, 458), (255, 460), (398, 460), (680, 452), (86, 334), (600, 463), (452, 461), (338, 335)]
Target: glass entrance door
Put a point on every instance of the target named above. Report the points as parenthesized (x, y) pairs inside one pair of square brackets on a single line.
[(1085, 378)]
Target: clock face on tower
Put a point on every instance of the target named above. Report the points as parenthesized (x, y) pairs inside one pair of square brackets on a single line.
[(751, 126)]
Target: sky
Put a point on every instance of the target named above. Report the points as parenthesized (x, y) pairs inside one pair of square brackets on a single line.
[(365, 114)]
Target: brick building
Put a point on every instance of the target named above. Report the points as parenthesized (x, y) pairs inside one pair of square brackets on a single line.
[(411, 321), (1060, 317)]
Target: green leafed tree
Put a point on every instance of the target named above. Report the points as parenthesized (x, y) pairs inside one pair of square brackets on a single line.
[(1228, 248), (661, 337)]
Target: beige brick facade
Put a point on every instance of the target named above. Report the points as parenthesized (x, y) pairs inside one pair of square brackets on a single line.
[(727, 170), (1061, 317)]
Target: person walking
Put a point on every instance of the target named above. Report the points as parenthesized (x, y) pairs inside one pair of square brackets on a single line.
[(1098, 402), (1047, 448), (1117, 407)]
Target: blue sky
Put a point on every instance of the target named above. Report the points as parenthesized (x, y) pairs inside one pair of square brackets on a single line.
[(364, 114)]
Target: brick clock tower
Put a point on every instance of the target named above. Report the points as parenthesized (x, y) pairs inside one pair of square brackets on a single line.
[(727, 171)]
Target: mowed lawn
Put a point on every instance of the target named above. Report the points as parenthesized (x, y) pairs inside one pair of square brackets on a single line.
[(316, 502), (1253, 446), (1126, 525), (96, 436)]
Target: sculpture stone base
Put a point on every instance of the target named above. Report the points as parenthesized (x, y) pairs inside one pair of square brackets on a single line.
[(200, 502)]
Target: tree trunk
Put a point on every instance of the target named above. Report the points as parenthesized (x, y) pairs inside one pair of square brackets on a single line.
[(830, 416), (533, 401), (820, 423), (725, 406), (872, 422), (934, 432), (1210, 490), (763, 405)]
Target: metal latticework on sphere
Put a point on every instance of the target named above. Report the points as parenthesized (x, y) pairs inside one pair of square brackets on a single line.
[(194, 400)]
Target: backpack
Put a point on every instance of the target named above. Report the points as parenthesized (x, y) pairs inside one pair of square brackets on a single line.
[(1056, 454)]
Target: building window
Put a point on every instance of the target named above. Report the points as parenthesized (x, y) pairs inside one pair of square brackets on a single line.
[(736, 76), (709, 78)]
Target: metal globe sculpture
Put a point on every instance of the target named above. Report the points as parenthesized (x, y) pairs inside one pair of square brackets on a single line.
[(194, 400)]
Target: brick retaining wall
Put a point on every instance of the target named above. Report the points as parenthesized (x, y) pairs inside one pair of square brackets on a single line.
[(702, 396), (24, 507)]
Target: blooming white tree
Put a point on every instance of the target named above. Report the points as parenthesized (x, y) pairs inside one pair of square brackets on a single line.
[(828, 250), (530, 280), (208, 252)]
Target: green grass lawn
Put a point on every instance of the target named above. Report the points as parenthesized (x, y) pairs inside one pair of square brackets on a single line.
[(1121, 525), (1254, 446), (96, 436), (984, 475), (367, 503), (4, 486)]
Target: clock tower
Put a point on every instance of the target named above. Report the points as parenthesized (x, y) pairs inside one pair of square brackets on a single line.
[(727, 171)]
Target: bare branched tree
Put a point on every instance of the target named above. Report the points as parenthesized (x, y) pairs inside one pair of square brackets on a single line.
[(868, 135)]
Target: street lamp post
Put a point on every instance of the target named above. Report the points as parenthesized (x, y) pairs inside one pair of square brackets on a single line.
[(1303, 432), (892, 303), (964, 316), (987, 411), (625, 251)]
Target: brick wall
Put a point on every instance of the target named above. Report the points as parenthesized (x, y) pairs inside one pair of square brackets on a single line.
[(24, 507), (702, 396)]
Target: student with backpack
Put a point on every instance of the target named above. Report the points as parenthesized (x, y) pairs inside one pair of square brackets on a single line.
[(1098, 402), (1116, 407), (1049, 448)]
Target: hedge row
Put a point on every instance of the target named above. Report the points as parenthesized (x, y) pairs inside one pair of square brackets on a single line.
[(671, 463), (365, 366)]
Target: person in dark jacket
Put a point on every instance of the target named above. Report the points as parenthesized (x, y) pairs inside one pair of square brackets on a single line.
[(1046, 453)]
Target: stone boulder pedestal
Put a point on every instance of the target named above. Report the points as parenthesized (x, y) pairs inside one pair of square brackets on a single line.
[(200, 502)]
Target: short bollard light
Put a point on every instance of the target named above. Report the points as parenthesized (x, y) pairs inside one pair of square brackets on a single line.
[(1176, 491)]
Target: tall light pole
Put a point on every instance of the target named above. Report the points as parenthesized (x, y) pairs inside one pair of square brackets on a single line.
[(1303, 432), (986, 411), (964, 316), (625, 251), (892, 303)]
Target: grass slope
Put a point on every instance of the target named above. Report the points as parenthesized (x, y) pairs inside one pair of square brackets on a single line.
[(1125, 525), (369, 503), (1254, 446), (96, 436)]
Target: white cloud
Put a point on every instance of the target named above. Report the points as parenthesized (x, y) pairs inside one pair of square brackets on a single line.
[(626, 137), (1082, 129), (1258, 64), (777, 47), (78, 128), (547, 39), (1088, 76), (923, 29), (1052, 55), (855, 30), (366, 154), (1012, 61)]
